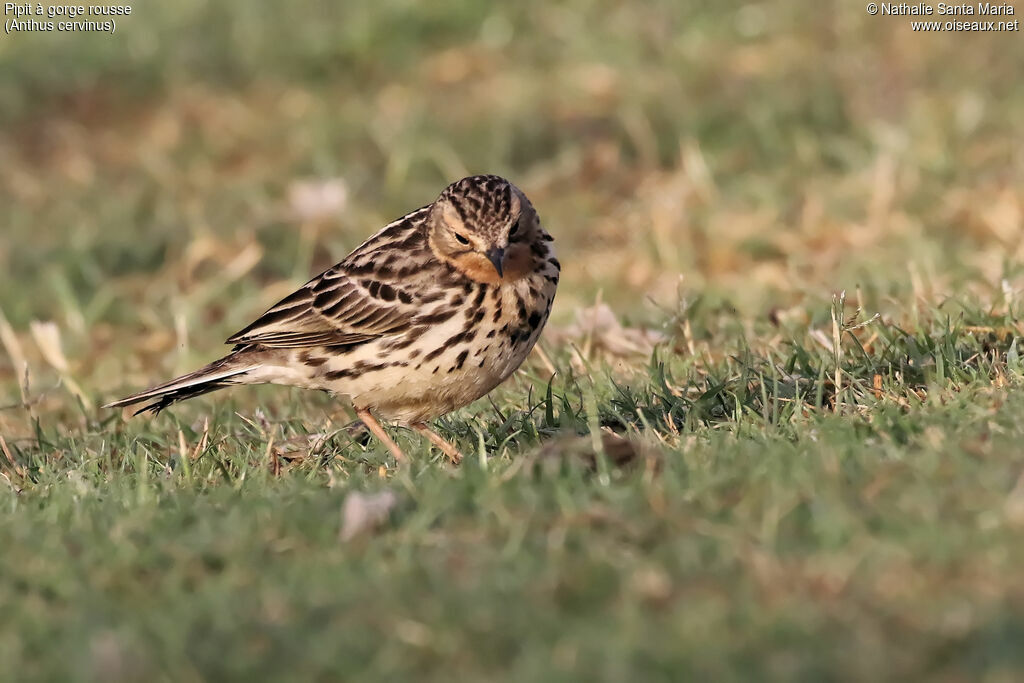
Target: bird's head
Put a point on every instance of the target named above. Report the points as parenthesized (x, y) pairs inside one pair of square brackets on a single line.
[(483, 225)]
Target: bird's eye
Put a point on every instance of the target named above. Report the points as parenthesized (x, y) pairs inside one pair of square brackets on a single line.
[(461, 239), (514, 230)]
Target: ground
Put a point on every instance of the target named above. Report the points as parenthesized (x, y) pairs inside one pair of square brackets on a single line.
[(773, 431)]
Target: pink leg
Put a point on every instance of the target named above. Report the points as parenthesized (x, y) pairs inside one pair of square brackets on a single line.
[(449, 449), (371, 423)]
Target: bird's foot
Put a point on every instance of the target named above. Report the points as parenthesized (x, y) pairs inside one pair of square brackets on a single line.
[(446, 447), (371, 423)]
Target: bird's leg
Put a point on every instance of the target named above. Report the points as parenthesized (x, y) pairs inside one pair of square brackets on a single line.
[(449, 449), (371, 423)]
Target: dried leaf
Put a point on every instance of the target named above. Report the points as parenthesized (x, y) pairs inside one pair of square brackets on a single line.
[(311, 200), (14, 350), (620, 451), (601, 331), (364, 512), (47, 336)]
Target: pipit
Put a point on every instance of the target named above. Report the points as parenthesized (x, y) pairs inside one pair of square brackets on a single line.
[(426, 316)]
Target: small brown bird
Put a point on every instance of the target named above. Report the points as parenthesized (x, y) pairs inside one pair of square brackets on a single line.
[(429, 314)]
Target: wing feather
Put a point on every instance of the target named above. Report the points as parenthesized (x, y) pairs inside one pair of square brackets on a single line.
[(344, 305)]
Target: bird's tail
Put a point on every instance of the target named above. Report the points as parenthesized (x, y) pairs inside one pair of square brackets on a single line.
[(231, 369)]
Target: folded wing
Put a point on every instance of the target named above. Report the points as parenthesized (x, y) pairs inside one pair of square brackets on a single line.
[(333, 308)]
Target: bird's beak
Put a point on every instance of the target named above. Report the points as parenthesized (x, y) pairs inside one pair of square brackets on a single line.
[(496, 255)]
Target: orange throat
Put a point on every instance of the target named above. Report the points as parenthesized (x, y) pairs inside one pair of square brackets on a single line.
[(518, 264)]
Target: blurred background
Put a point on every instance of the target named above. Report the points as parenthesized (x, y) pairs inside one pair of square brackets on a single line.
[(163, 185), (713, 173)]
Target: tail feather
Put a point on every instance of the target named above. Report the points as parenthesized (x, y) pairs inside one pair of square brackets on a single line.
[(217, 375)]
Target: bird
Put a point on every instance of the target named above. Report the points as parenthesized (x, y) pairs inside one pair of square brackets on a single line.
[(427, 315)]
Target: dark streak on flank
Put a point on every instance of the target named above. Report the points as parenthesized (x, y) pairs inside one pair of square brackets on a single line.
[(434, 354), (481, 293), (363, 367), (307, 358), (438, 316), (458, 338), (521, 305)]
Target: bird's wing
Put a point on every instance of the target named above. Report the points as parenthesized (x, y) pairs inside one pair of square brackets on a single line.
[(355, 301)]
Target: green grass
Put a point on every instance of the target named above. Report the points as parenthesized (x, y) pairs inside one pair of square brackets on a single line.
[(798, 490)]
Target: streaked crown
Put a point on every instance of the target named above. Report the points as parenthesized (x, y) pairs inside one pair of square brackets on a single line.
[(483, 201)]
